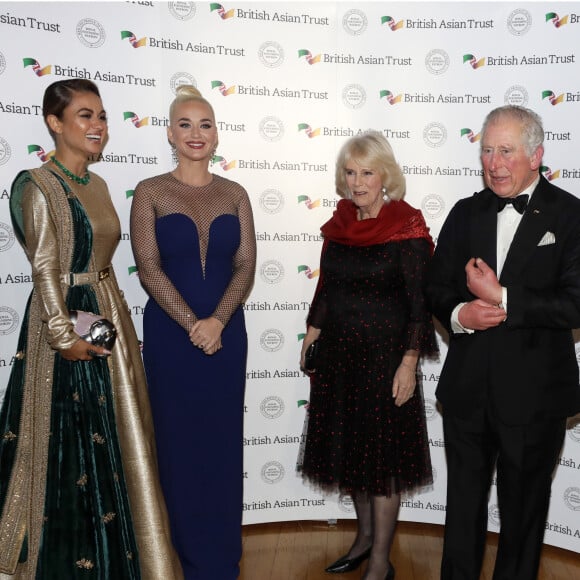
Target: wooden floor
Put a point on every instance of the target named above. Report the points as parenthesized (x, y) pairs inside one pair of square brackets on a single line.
[(301, 551)]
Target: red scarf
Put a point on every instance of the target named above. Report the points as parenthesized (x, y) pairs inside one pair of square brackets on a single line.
[(396, 221)]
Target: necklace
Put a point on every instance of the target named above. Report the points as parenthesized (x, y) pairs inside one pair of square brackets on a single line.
[(80, 180)]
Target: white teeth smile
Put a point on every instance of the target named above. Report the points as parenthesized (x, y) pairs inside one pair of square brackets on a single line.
[(94, 137)]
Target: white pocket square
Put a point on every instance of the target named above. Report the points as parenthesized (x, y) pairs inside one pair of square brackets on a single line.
[(549, 238)]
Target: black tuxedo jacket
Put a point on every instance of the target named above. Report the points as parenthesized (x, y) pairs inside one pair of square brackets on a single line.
[(526, 367)]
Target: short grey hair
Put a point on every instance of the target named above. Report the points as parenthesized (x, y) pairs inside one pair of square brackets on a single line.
[(530, 121)]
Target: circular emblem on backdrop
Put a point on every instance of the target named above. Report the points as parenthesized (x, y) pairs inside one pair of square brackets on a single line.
[(5, 151), (271, 128), (272, 272), (182, 10), (519, 21), (181, 78), (271, 201), (273, 472), (272, 340), (272, 407), (430, 409), (433, 205), (345, 503), (493, 515), (574, 432), (355, 22), (91, 33), (2, 63), (9, 320), (271, 54), (6, 237), (437, 61), (434, 135), (354, 96), (516, 95), (572, 498)]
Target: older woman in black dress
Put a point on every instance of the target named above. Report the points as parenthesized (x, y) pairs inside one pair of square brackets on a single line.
[(366, 428)]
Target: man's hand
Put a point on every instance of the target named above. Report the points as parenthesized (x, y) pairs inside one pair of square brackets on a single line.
[(479, 315), (482, 281)]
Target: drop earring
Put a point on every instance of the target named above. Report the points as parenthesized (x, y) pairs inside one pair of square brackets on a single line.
[(174, 157), (384, 192)]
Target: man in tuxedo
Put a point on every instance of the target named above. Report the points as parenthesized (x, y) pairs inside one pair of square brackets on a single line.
[(506, 285)]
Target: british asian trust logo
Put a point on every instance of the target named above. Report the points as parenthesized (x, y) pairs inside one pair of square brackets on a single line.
[(221, 11), (556, 20), (37, 68), (308, 57), (553, 99), (473, 61), (40, 152), (392, 23), (223, 162), (390, 97), (308, 272), (225, 91), (132, 38), (548, 173), (308, 130), (134, 118), (308, 202), (471, 136)]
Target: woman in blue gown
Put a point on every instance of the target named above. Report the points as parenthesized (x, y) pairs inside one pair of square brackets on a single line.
[(193, 238)]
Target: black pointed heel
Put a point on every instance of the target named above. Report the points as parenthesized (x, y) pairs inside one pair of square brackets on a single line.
[(391, 573), (345, 564)]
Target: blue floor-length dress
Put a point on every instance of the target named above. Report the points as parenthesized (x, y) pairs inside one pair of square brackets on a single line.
[(197, 399)]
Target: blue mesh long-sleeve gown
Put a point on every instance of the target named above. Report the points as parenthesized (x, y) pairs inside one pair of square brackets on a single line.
[(195, 250)]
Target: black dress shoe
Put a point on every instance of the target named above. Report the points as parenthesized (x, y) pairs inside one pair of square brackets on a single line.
[(346, 564)]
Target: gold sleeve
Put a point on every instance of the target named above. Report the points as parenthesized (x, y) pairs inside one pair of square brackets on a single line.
[(43, 252)]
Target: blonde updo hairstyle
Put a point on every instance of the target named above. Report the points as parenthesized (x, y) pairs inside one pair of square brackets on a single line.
[(370, 150), (185, 94)]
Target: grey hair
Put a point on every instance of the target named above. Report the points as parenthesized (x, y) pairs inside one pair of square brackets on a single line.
[(370, 149), (531, 123)]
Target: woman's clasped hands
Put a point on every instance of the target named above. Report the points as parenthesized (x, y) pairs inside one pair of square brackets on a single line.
[(206, 334)]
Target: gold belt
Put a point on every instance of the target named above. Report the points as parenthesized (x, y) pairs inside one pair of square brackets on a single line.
[(73, 279)]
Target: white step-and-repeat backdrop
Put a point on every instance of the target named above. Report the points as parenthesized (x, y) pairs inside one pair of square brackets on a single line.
[(290, 82)]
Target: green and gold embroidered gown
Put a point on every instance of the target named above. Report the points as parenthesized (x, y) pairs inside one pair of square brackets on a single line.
[(79, 488)]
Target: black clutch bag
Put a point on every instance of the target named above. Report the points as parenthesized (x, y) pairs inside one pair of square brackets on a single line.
[(94, 328), (311, 356)]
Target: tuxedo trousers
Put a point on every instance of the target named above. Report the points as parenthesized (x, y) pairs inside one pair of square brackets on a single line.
[(525, 457)]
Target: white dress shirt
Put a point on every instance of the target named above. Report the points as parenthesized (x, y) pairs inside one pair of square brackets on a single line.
[(508, 220)]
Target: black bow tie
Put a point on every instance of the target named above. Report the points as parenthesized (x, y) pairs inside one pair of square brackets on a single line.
[(520, 202)]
